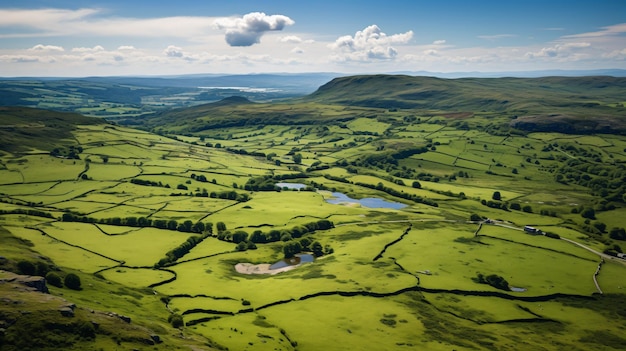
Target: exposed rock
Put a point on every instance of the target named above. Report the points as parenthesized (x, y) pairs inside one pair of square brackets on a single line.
[(156, 338), (124, 318), (33, 282), (66, 312)]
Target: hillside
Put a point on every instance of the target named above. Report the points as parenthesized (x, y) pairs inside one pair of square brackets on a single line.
[(23, 128), (473, 94)]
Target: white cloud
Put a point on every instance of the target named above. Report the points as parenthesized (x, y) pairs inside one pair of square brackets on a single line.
[(93, 49), (297, 50), (558, 50), (609, 31), (291, 39), (173, 51), (369, 44), (248, 30), (46, 48), (126, 47), (94, 22), (439, 42)]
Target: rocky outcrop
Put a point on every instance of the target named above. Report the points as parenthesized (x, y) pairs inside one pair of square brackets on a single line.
[(31, 282)]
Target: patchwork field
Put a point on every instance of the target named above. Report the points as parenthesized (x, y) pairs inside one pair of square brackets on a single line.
[(166, 221)]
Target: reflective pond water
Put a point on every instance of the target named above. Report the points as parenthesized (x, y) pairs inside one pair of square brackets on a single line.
[(370, 202), (298, 259)]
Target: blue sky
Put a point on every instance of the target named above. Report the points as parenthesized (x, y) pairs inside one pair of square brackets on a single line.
[(85, 38)]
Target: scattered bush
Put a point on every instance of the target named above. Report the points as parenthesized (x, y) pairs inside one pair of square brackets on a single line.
[(176, 320), (72, 281), (26, 267), (54, 279)]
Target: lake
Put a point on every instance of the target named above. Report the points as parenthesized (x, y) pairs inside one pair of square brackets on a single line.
[(370, 202)]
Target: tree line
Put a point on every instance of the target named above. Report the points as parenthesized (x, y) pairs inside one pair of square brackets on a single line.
[(142, 222)]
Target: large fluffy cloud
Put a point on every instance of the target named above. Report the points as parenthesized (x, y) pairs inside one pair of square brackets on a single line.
[(249, 29), (370, 44)]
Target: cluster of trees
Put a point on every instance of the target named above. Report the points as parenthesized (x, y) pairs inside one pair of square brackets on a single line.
[(181, 250), (71, 152), (146, 182), (604, 179), (52, 274), (71, 280), (259, 237), (186, 226), (294, 247), (201, 178), (503, 205), (494, 280), (268, 182), (22, 211)]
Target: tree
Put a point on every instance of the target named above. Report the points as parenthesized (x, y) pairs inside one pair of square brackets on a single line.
[(589, 213), (240, 236), (54, 279), (496, 196), (221, 227), (258, 237), (172, 225), (291, 249), (617, 233), (527, 209), (176, 320), (297, 158), (475, 217), (242, 246), (417, 185), (72, 281), (318, 249)]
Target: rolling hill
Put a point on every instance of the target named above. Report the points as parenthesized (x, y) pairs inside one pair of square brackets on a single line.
[(565, 104), (22, 128)]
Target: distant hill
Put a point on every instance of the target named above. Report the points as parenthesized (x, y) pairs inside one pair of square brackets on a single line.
[(574, 98), (471, 94), (24, 128), (582, 104)]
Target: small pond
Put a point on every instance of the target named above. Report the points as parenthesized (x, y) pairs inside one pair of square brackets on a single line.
[(370, 202), (339, 198), (297, 186), (298, 259)]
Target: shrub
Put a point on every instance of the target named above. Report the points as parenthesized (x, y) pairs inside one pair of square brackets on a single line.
[(26, 267), (72, 281), (54, 279), (176, 320)]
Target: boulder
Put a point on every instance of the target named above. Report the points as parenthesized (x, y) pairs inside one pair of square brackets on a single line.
[(33, 282), (66, 311)]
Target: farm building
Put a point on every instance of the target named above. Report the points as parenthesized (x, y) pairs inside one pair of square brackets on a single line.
[(529, 229)]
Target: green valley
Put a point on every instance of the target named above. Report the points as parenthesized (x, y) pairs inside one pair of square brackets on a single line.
[(379, 212)]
